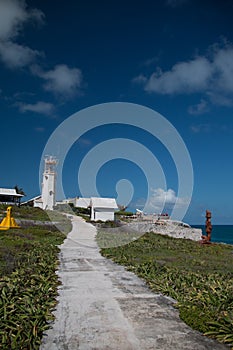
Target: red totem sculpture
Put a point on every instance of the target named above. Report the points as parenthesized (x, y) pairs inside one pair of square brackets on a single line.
[(208, 228)]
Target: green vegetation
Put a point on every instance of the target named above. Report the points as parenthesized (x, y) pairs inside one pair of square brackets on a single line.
[(107, 224), (84, 211), (69, 208), (28, 283), (124, 213), (199, 277), (25, 212), (113, 238)]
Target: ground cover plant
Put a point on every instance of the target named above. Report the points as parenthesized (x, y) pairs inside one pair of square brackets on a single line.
[(28, 283), (199, 277), (26, 212)]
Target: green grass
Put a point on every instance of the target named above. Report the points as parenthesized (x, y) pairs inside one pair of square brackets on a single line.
[(25, 212), (199, 277), (106, 239), (28, 283)]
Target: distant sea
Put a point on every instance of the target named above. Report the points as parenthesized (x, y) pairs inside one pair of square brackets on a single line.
[(220, 233)]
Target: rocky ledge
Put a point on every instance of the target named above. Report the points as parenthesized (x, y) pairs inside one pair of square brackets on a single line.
[(169, 228)]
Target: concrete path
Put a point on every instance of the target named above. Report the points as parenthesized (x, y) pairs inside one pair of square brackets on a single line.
[(102, 306)]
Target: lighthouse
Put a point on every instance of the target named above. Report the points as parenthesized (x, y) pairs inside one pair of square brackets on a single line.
[(48, 193)]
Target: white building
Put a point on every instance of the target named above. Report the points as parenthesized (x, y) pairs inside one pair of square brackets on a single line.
[(9, 196), (82, 202), (103, 208), (49, 183), (67, 201), (47, 199)]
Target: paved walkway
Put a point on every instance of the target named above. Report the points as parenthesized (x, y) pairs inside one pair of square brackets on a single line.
[(102, 306)]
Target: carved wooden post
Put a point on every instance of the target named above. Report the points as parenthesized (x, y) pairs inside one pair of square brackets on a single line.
[(208, 228), (208, 225)]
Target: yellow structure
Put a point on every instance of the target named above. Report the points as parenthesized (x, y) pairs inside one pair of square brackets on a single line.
[(8, 221)]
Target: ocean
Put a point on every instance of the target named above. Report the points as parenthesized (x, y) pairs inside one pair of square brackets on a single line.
[(220, 233)]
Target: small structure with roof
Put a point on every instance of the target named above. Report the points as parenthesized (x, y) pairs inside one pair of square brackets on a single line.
[(81, 202), (10, 196), (34, 202), (103, 208)]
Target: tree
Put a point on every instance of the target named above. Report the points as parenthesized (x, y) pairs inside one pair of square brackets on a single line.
[(19, 190), (122, 207)]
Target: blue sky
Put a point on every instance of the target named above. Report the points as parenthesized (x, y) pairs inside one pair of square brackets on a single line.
[(172, 56)]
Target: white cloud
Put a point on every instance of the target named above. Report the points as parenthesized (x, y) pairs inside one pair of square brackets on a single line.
[(38, 107), (219, 98), (16, 56), (184, 77), (211, 76), (152, 61), (223, 63), (141, 79), (200, 108), (61, 80), (164, 199), (196, 129), (13, 15)]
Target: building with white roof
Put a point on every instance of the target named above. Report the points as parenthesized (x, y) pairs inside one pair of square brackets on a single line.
[(10, 196), (81, 202), (103, 208)]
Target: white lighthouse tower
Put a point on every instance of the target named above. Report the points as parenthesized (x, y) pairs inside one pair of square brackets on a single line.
[(48, 194)]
